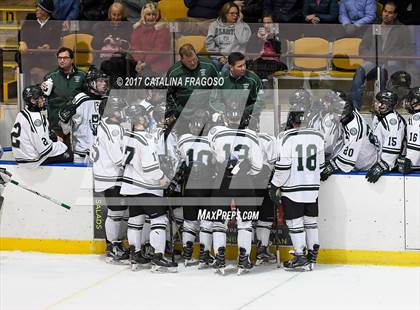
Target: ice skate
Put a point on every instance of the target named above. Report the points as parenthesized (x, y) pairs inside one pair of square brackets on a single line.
[(137, 260), (147, 251), (187, 254), (206, 260), (244, 263), (220, 261), (161, 264), (312, 256), (263, 256), (116, 254), (298, 263)]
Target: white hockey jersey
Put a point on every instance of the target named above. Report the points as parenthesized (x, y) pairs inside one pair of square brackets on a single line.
[(85, 123), (107, 155), (268, 147), (390, 133), (141, 165), (242, 143), (167, 151), (31, 144), (357, 152), (297, 172), (413, 140), (332, 131)]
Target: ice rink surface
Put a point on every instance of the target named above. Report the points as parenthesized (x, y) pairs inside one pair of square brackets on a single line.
[(48, 281)]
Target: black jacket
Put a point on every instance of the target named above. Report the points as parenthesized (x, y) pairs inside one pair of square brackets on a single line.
[(327, 10), (204, 8)]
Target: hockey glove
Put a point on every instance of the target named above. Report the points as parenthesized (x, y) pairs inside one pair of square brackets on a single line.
[(375, 172), (329, 169), (404, 165), (274, 193), (66, 113), (53, 136)]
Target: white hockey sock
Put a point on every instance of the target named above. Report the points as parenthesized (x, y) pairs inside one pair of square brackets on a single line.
[(311, 230), (157, 233), (112, 225), (297, 234), (263, 232), (145, 236), (244, 235), (206, 229), (189, 231), (219, 235), (134, 231)]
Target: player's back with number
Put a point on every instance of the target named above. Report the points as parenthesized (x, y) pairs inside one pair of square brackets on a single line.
[(297, 172)]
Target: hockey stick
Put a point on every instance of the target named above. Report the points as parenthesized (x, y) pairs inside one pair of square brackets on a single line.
[(171, 218), (276, 234), (40, 194)]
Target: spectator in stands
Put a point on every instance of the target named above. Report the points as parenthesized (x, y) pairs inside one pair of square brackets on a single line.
[(133, 8), (393, 42), (320, 11), (409, 12), (94, 10), (285, 11), (357, 12), (268, 44), (227, 34), (189, 67), (66, 10), (151, 43), (252, 11), (111, 36), (61, 85), (38, 36), (204, 9), (120, 65), (233, 89)]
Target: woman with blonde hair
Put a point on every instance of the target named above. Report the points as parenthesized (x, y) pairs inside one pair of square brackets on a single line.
[(112, 35), (151, 42), (227, 34)]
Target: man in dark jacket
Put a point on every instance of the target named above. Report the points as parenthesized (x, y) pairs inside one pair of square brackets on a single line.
[(285, 11), (394, 40), (61, 85)]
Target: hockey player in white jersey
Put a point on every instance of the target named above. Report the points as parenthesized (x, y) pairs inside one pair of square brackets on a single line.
[(296, 185), (389, 132), (330, 127), (358, 151), (303, 97), (83, 114), (261, 182), (195, 151), (411, 162), (107, 155), (144, 180), (32, 142), (239, 158)]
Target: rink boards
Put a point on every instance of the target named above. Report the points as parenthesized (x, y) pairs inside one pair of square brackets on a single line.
[(359, 222)]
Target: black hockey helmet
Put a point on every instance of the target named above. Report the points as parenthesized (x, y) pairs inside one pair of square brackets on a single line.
[(412, 102), (345, 112), (115, 106), (33, 92), (334, 99), (385, 101), (138, 115), (159, 115), (198, 122), (92, 77), (233, 112), (400, 79), (300, 97)]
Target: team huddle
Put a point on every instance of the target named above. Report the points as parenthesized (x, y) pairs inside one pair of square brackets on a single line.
[(163, 179)]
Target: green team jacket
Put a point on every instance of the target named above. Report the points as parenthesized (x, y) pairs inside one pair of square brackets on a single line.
[(65, 87), (178, 95), (246, 89)]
